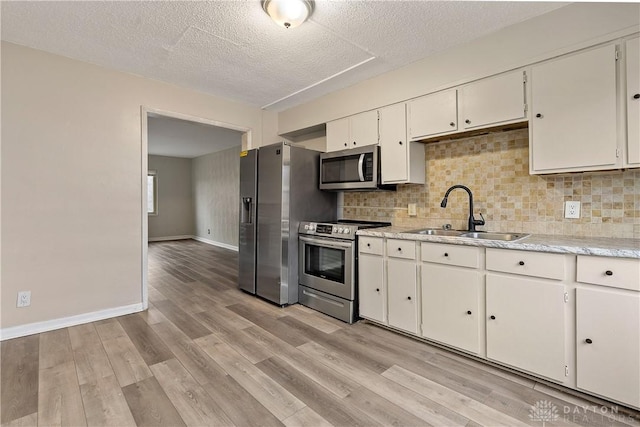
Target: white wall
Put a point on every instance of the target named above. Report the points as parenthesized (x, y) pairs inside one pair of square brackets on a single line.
[(175, 202), (72, 170), (560, 31), (216, 192)]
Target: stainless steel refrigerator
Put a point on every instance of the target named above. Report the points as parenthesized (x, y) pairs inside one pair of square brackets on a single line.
[(278, 189)]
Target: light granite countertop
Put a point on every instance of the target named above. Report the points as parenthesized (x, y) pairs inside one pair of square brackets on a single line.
[(598, 246)]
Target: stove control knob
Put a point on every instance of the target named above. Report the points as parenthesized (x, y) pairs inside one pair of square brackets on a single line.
[(347, 231), (340, 230), (334, 230), (307, 227)]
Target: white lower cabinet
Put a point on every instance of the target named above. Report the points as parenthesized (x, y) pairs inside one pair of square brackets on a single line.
[(513, 307), (451, 306), (608, 344), (402, 286), (371, 286), (525, 324)]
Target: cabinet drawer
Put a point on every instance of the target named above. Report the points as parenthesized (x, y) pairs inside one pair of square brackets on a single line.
[(614, 272), (401, 248), (462, 256), (538, 264), (370, 245)]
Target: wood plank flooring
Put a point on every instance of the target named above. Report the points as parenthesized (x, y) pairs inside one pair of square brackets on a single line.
[(206, 353)]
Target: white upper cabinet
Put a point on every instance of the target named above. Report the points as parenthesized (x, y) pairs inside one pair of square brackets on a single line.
[(353, 131), (401, 161), (433, 114), (573, 123), (492, 101), (633, 102)]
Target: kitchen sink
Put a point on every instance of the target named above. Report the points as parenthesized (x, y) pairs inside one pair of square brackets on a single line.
[(437, 232), (509, 237)]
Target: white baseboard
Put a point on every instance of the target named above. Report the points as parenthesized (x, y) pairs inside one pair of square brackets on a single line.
[(214, 243), (64, 322), (162, 239)]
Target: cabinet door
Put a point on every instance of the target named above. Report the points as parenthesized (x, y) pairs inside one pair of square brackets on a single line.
[(371, 287), (527, 330), (364, 129), (338, 135), (393, 143), (492, 101), (633, 102), (609, 363), (451, 306), (573, 113), (433, 114), (401, 294)]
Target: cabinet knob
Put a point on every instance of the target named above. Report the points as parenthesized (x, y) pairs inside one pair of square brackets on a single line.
[(368, 245), (345, 144), (636, 96), (469, 312), (609, 273), (492, 317), (354, 143), (446, 254), (409, 298), (452, 124), (399, 249), (377, 289), (521, 263), (468, 121), (400, 142), (588, 341), (539, 115)]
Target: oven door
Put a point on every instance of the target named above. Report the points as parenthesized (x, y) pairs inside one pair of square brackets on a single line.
[(327, 265)]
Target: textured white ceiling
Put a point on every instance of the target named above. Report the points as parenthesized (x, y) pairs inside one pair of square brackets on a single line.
[(172, 137), (232, 49)]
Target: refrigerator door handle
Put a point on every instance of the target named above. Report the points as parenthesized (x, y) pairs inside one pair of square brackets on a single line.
[(361, 167)]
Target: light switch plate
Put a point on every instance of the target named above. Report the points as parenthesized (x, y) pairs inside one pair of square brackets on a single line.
[(572, 209), (412, 209)]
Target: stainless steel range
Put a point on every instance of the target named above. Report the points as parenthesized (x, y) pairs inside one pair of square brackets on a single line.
[(328, 266)]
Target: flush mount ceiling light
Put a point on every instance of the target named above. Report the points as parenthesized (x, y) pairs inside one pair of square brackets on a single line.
[(288, 13)]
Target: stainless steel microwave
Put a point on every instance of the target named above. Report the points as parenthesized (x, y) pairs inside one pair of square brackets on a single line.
[(356, 169)]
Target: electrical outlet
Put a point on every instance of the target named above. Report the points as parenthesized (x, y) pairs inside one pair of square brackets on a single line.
[(412, 209), (208, 231), (24, 299), (572, 209)]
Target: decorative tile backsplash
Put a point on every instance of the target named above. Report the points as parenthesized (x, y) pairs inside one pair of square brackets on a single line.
[(495, 167)]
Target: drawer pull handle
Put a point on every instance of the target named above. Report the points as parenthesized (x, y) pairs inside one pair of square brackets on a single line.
[(377, 289), (636, 96), (399, 249), (492, 317), (469, 312), (446, 254), (409, 298), (521, 263), (468, 121), (609, 273), (368, 245), (452, 124), (588, 341), (400, 142)]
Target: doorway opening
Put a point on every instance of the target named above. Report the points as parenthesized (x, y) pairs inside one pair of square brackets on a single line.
[(183, 156)]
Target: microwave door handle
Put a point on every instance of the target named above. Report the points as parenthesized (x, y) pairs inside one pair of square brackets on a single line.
[(361, 167)]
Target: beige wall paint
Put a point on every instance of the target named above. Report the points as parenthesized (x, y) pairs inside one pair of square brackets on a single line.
[(560, 31), (72, 180), (175, 202), (216, 188)]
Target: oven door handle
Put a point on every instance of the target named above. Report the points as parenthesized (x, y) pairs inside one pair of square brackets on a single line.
[(361, 167), (326, 243)]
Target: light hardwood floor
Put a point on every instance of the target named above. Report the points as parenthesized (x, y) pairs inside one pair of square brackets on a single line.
[(206, 353)]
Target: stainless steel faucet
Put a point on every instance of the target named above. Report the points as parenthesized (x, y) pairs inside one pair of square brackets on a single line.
[(472, 221)]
